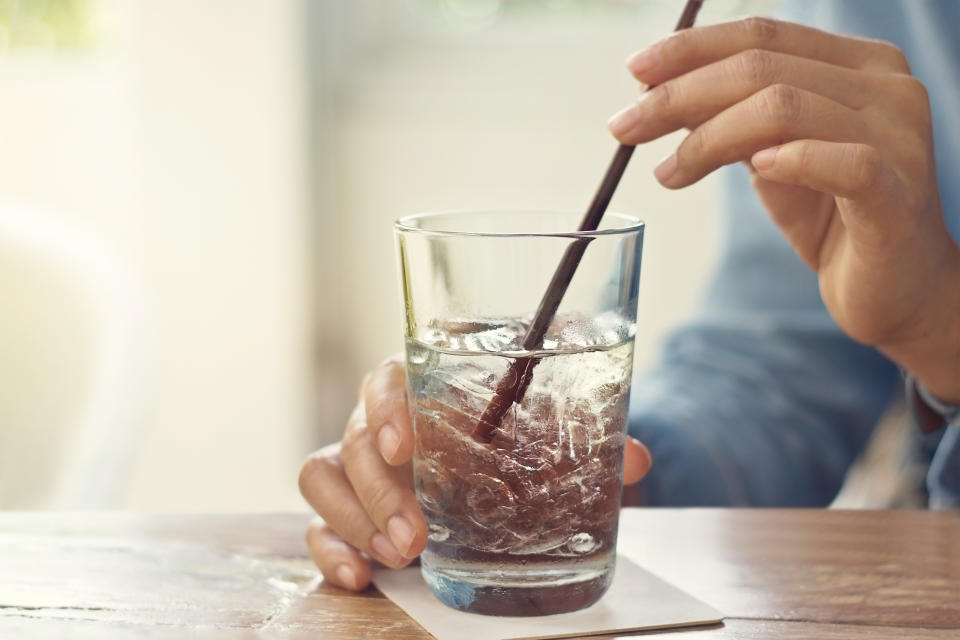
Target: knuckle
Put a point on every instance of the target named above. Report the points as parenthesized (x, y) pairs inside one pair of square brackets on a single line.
[(909, 99), (313, 534), (316, 467), (381, 497), (382, 405), (805, 156), (387, 370), (355, 436), (780, 103), (892, 55), (866, 165), (761, 29), (916, 87), (757, 65), (696, 145), (676, 43), (912, 89), (664, 96)]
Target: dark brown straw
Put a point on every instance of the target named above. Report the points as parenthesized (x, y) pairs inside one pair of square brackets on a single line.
[(515, 381)]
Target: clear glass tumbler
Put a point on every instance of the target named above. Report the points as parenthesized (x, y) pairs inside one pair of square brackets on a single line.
[(523, 521)]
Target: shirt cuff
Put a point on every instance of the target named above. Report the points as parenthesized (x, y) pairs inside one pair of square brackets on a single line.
[(928, 411)]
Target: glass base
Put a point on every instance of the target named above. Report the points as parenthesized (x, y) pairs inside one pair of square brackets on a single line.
[(528, 591)]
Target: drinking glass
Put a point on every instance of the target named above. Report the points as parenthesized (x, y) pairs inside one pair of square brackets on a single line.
[(523, 521)]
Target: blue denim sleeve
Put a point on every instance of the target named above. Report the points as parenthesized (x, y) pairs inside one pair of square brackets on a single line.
[(761, 400)]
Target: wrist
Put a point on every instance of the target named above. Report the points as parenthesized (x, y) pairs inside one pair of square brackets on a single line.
[(932, 356)]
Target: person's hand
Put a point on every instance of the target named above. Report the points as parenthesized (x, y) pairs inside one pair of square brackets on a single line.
[(362, 488), (838, 137)]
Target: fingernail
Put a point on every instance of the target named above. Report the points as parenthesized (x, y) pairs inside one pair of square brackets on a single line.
[(384, 550), (347, 577), (624, 120), (666, 168), (764, 159), (401, 533), (642, 61), (388, 441)]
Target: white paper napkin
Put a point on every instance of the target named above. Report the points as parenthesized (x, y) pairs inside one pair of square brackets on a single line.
[(637, 600)]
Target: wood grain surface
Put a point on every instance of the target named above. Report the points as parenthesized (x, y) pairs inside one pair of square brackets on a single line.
[(776, 574)]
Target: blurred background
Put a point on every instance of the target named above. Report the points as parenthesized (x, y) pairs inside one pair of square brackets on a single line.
[(196, 254)]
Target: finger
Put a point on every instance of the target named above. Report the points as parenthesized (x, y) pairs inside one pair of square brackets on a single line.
[(855, 172), (777, 114), (339, 563), (325, 487), (805, 216), (385, 403), (383, 490), (636, 461), (694, 97), (692, 48)]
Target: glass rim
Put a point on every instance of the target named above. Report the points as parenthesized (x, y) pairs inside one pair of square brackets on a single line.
[(404, 224)]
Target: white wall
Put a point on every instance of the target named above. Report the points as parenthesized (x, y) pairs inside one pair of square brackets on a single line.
[(221, 101), (180, 147)]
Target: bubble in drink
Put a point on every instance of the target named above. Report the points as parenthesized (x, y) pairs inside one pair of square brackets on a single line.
[(525, 524)]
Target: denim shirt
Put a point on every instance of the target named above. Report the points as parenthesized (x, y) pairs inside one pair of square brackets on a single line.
[(762, 400)]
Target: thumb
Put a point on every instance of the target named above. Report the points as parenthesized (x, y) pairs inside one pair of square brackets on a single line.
[(802, 214), (636, 461), (856, 174)]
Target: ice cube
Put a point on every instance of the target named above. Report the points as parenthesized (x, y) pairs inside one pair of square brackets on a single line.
[(489, 500), (438, 533), (582, 543)]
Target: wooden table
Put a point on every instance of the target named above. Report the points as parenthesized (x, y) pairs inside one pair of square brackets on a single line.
[(785, 574)]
